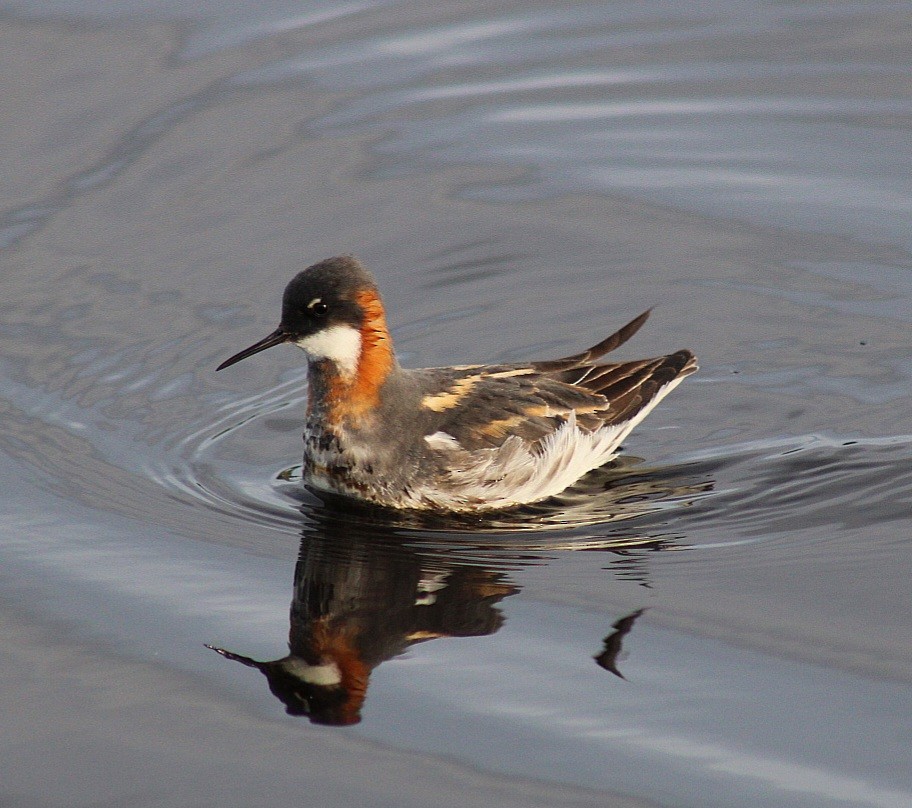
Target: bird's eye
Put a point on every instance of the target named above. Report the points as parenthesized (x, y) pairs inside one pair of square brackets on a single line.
[(319, 308)]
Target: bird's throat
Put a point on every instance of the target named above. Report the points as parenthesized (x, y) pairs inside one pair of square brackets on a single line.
[(350, 365)]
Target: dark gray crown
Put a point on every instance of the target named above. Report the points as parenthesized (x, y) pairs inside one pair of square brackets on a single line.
[(335, 283)]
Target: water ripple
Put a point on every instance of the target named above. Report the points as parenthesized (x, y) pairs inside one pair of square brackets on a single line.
[(772, 490), (629, 104)]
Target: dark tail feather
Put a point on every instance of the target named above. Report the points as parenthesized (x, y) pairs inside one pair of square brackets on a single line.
[(630, 394), (608, 344)]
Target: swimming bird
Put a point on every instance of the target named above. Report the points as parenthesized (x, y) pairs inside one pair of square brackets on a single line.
[(464, 438)]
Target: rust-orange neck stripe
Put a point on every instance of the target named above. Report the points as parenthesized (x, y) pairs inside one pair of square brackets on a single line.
[(358, 395), (338, 647)]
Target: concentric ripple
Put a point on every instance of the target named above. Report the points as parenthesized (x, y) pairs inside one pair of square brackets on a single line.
[(199, 466)]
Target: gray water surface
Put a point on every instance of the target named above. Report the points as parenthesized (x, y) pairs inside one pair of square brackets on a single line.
[(724, 619)]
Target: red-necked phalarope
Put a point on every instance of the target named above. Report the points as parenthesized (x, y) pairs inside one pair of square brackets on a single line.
[(458, 438)]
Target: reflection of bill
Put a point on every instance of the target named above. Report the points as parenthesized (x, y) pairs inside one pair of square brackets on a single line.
[(359, 603)]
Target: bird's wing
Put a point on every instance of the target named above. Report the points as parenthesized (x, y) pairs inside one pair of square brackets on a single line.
[(481, 406)]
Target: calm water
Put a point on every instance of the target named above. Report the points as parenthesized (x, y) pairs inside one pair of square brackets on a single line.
[(724, 619)]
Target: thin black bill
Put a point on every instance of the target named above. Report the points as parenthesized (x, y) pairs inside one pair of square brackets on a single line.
[(277, 337)]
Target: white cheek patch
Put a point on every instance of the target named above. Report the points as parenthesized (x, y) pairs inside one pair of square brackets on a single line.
[(340, 343)]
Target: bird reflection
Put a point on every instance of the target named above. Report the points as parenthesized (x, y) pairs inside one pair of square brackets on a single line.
[(359, 600), (368, 586)]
